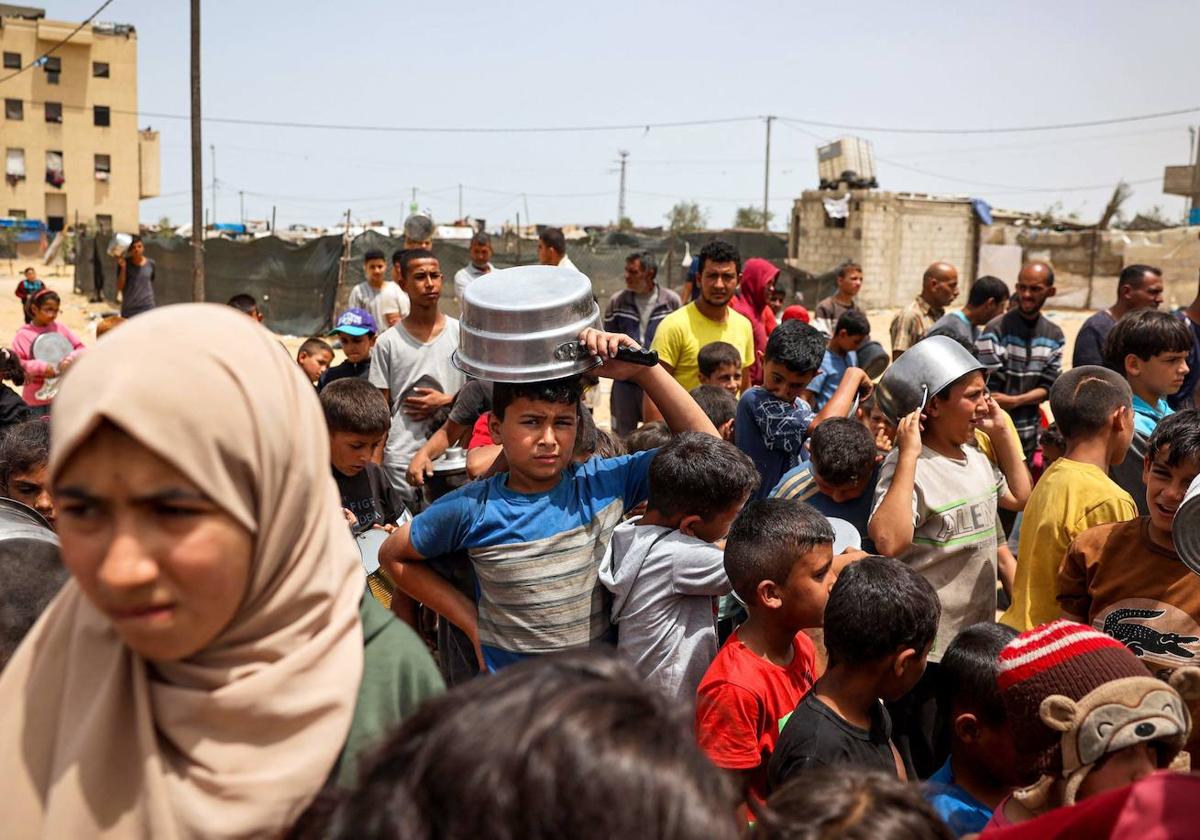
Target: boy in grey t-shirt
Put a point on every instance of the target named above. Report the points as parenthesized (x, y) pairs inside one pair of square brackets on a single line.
[(935, 509), (663, 570)]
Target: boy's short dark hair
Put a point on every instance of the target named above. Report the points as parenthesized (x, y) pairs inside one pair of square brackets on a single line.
[(699, 474), (1145, 333), (24, 447), (481, 237), (552, 237), (715, 354), (356, 406), (719, 251), (411, 255), (877, 607), (565, 391), (854, 322), (718, 405), (398, 256), (967, 674), (849, 803), (987, 289), (1179, 431), (848, 266), (767, 538), (244, 303), (798, 346), (843, 451), (648, 436), (373, 254), (1084, 398), (313, 346)]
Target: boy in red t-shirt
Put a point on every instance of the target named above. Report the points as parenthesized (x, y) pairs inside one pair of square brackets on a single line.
[(779, 558)]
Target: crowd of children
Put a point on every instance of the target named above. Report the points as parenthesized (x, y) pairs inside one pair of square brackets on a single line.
[(766, 602)]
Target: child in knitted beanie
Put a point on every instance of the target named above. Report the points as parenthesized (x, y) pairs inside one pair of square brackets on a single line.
[(1086, 716)]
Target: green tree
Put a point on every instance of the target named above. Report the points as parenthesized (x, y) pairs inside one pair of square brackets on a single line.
[(752, 218), (686, 217), (625, 223)]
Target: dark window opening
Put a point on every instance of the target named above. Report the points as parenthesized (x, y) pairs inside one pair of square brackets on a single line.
[(55, 223), (16, 214), (100, 69), (100, 115), (54, 112), (12, 61), (104, 223), (14, 109)]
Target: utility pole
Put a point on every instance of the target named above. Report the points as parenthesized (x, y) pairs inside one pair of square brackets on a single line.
[(242, 205), (272, 218), (412, 207), (621, 194), (213, 150), (767, 177), (460, 212), (197, 150)]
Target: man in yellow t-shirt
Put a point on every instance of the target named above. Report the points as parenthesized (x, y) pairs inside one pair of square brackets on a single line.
[(1093, 407), (707, 319)]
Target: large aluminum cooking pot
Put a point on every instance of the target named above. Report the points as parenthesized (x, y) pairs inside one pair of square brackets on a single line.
[(1185, 531), (449, 473), (873, 358), (27, 544), (522, 324), (923, 370), (119, 244)]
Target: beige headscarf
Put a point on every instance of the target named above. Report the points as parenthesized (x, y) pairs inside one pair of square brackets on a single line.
[(236, 740)]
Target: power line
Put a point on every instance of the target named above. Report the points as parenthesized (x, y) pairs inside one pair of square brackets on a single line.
[(997, 130), (71, 35)]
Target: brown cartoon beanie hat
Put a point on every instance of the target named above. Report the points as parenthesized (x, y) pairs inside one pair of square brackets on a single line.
[(1074, 695)]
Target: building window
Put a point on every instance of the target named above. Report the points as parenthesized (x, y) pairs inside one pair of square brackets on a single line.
[(12, 61), (14, 166), (100, 115), (16, 214), (53, 65), (104, 222), (55, 175), (14, 109), (103, 167), (54, 112), (100, 69)]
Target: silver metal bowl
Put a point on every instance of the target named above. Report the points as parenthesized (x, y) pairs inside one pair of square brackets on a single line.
[(119, 244), (522, 324), (1185, 531), (922, 371)]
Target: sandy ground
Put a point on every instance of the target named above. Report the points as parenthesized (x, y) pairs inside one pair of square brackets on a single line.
[(81, 317)]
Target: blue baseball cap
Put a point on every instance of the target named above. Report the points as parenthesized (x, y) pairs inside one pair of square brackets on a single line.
[(355, 322)]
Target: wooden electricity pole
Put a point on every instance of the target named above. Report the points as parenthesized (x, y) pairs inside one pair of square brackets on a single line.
[(197, 184)]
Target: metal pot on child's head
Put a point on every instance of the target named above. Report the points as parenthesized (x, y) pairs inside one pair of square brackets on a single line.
[(522, 324), (1185, 530), (923, 370)]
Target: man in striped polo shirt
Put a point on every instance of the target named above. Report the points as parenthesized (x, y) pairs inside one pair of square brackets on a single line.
[(1024, 349)]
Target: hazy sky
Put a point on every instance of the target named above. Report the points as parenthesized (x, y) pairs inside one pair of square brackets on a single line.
[(923, 64)]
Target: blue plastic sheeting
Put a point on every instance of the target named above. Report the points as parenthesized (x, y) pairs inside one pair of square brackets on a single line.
[(28, 230)]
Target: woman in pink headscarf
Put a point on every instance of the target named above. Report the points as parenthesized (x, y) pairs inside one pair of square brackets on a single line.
[(758, 278)]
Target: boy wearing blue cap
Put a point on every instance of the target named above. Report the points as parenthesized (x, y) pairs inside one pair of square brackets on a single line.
[(356, 329)]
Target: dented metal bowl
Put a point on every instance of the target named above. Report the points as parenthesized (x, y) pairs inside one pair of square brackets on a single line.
[(922, 371)]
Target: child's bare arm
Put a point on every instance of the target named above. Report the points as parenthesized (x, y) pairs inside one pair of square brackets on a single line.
[(483, 460), (855, 383), (421, 465), (406, 567), (1010, 457), (676, 405), (891, 526)]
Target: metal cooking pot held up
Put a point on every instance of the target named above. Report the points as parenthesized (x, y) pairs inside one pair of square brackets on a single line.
[(922, 371), (522, 324), (119, 245)]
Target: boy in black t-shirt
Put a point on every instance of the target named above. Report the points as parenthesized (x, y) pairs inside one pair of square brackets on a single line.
[(880, 623)]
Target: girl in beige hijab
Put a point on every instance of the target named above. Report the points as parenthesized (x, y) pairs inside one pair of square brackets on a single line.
[(199, 674)]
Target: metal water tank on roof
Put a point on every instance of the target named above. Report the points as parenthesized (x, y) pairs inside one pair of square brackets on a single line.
[(846, 154)]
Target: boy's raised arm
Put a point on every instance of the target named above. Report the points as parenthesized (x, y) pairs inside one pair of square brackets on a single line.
[(676, 405), (1010, 456), (891, 526), (855, 383)]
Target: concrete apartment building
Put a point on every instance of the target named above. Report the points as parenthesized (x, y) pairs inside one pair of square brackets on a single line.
[(72, 149)]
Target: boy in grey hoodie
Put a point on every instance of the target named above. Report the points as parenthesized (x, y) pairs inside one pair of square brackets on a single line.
[(664, 571)]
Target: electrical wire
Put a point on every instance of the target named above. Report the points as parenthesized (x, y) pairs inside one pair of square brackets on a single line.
[(72, 34), (995, 130)]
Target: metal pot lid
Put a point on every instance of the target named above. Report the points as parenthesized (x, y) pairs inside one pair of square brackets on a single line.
[(11, 510), (453, 459), (522, 324), (51, 348), (1185, 531)]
